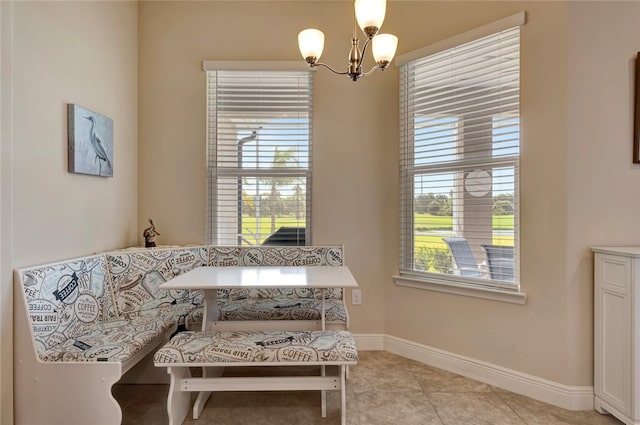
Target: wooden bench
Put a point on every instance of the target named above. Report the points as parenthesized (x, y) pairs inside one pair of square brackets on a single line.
[(88, 321), (78, 323), (215, 350)]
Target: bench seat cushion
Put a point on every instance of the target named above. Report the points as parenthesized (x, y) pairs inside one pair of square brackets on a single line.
[(295, 293), (263, 347), (282, 309), (168, 312), (275, 309), (115, 341)]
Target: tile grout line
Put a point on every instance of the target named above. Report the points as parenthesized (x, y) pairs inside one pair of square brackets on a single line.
[(426, 395), (505, 401)]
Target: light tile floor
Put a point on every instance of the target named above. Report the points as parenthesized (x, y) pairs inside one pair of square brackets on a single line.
[(383, 389)]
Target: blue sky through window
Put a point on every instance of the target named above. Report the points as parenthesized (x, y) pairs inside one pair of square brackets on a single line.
[(283, 134)]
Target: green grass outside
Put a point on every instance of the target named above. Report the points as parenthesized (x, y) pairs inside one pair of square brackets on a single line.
[(427, 222), (437, 242), (423, 222), (434, 222)]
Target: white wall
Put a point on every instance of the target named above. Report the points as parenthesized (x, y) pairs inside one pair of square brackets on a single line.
[(6, 313), (603, 185), (356, 160), (84, 53), (576, 109), (355, 126), (528, 338), (65, 52), (579, 189)]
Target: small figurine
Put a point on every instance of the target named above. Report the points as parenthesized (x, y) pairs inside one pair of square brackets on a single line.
[(150, 235)]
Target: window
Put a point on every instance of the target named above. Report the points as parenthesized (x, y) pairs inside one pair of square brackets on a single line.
[(259, 155), (459, 159)]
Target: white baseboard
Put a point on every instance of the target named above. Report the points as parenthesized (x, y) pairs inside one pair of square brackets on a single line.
[(565, 396), (369, 342)]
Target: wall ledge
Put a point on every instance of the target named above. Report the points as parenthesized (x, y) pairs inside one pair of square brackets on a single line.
[(507, 296)]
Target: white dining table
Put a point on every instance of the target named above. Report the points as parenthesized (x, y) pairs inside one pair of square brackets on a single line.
[(210, 279)]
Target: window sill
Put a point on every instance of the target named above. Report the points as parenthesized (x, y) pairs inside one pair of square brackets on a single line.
[(507, 296)]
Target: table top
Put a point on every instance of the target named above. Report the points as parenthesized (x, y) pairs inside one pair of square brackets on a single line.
[(263, 277)]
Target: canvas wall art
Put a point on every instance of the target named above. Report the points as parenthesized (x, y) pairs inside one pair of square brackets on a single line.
[(636, 114), (90, 142)]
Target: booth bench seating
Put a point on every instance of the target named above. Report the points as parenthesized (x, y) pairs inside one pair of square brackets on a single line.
[(277, 308), (81, 324), (219, 349)]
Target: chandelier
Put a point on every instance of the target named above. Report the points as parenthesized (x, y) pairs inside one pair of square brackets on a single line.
[(369, 14)]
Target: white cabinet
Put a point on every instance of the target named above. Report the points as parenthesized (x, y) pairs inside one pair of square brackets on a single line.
[(617, 332)]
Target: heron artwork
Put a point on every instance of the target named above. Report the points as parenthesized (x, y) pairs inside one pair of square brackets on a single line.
[(96, 142), (90, 142)]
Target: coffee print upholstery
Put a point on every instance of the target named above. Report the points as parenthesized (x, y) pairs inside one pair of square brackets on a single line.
[(137, 274), (281, 309), (276, 256), (66, 300), (87, 321), (308, 347)]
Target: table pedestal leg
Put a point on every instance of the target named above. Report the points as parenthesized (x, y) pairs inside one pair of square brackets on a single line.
[(322, 307), (211, 313)]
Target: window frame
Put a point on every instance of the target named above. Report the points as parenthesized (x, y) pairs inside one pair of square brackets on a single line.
[(442, 282), (215, 171)]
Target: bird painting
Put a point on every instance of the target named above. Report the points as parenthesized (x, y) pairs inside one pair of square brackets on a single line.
[(96, 142), (90, 142)]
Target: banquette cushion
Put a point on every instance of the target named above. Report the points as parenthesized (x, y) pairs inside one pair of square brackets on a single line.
[(194, 348)]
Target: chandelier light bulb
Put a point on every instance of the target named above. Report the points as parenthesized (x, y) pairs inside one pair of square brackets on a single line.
[(384, 49), (370, 15), (311, 44)]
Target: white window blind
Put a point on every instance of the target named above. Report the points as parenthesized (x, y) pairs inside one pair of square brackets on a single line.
[(259, 156), (459, 158)]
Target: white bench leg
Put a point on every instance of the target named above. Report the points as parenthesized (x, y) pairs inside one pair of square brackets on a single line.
[(323, 394), (203, 396), (343, 396), (178, 402)]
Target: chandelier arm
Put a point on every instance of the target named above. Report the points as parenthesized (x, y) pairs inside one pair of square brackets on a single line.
[(372, 70), (371, 14), (364, 51), (329, 68)]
